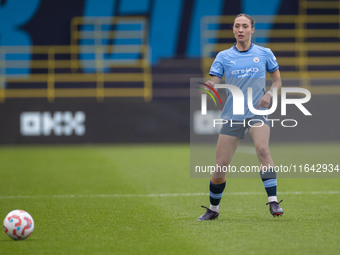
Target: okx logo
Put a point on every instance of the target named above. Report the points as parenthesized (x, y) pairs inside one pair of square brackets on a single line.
[(46, 123)]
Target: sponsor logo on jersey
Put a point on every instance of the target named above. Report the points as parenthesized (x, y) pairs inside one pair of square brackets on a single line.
[(248, 71)]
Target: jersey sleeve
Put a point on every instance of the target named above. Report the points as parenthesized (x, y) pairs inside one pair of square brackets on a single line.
[(271, 63), (217, 68)]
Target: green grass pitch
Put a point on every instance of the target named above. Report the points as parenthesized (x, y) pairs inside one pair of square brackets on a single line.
[(105, 200)]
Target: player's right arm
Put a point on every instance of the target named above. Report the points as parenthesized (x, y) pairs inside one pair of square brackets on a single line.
[(216, 71), (214, 80)]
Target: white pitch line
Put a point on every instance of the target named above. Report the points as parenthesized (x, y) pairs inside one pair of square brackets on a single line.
[(169, 195), (246, 149)]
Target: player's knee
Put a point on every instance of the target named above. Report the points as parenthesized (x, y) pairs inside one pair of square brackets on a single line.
[(262, 151), (221, 161)]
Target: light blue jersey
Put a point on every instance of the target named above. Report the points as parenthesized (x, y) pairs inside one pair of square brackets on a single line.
[(244, 69)]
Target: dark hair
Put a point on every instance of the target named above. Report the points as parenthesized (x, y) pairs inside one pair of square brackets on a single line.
[(252, 22)]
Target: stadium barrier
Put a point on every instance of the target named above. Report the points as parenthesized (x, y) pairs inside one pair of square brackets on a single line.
[(66, 122), (24, 122)]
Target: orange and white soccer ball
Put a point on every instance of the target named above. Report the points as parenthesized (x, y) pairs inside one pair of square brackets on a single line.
[(18, 224)]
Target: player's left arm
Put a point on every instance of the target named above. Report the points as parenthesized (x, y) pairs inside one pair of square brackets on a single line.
[(276, 80)]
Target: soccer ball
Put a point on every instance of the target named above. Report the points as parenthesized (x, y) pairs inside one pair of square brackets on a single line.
[(18, 224)]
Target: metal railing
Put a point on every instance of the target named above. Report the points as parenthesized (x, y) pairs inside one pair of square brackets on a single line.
[(306, 46), (100, 66)]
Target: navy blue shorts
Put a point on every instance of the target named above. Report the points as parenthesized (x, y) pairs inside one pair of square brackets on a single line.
[(239, 127)]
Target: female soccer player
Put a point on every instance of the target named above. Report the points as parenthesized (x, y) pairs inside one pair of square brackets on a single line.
[(243, 65)]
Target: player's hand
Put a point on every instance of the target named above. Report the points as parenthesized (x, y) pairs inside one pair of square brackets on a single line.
[(208, 84), (264, 101)]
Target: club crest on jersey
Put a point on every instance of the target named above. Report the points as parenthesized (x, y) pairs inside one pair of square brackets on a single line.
[(256, 59)]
